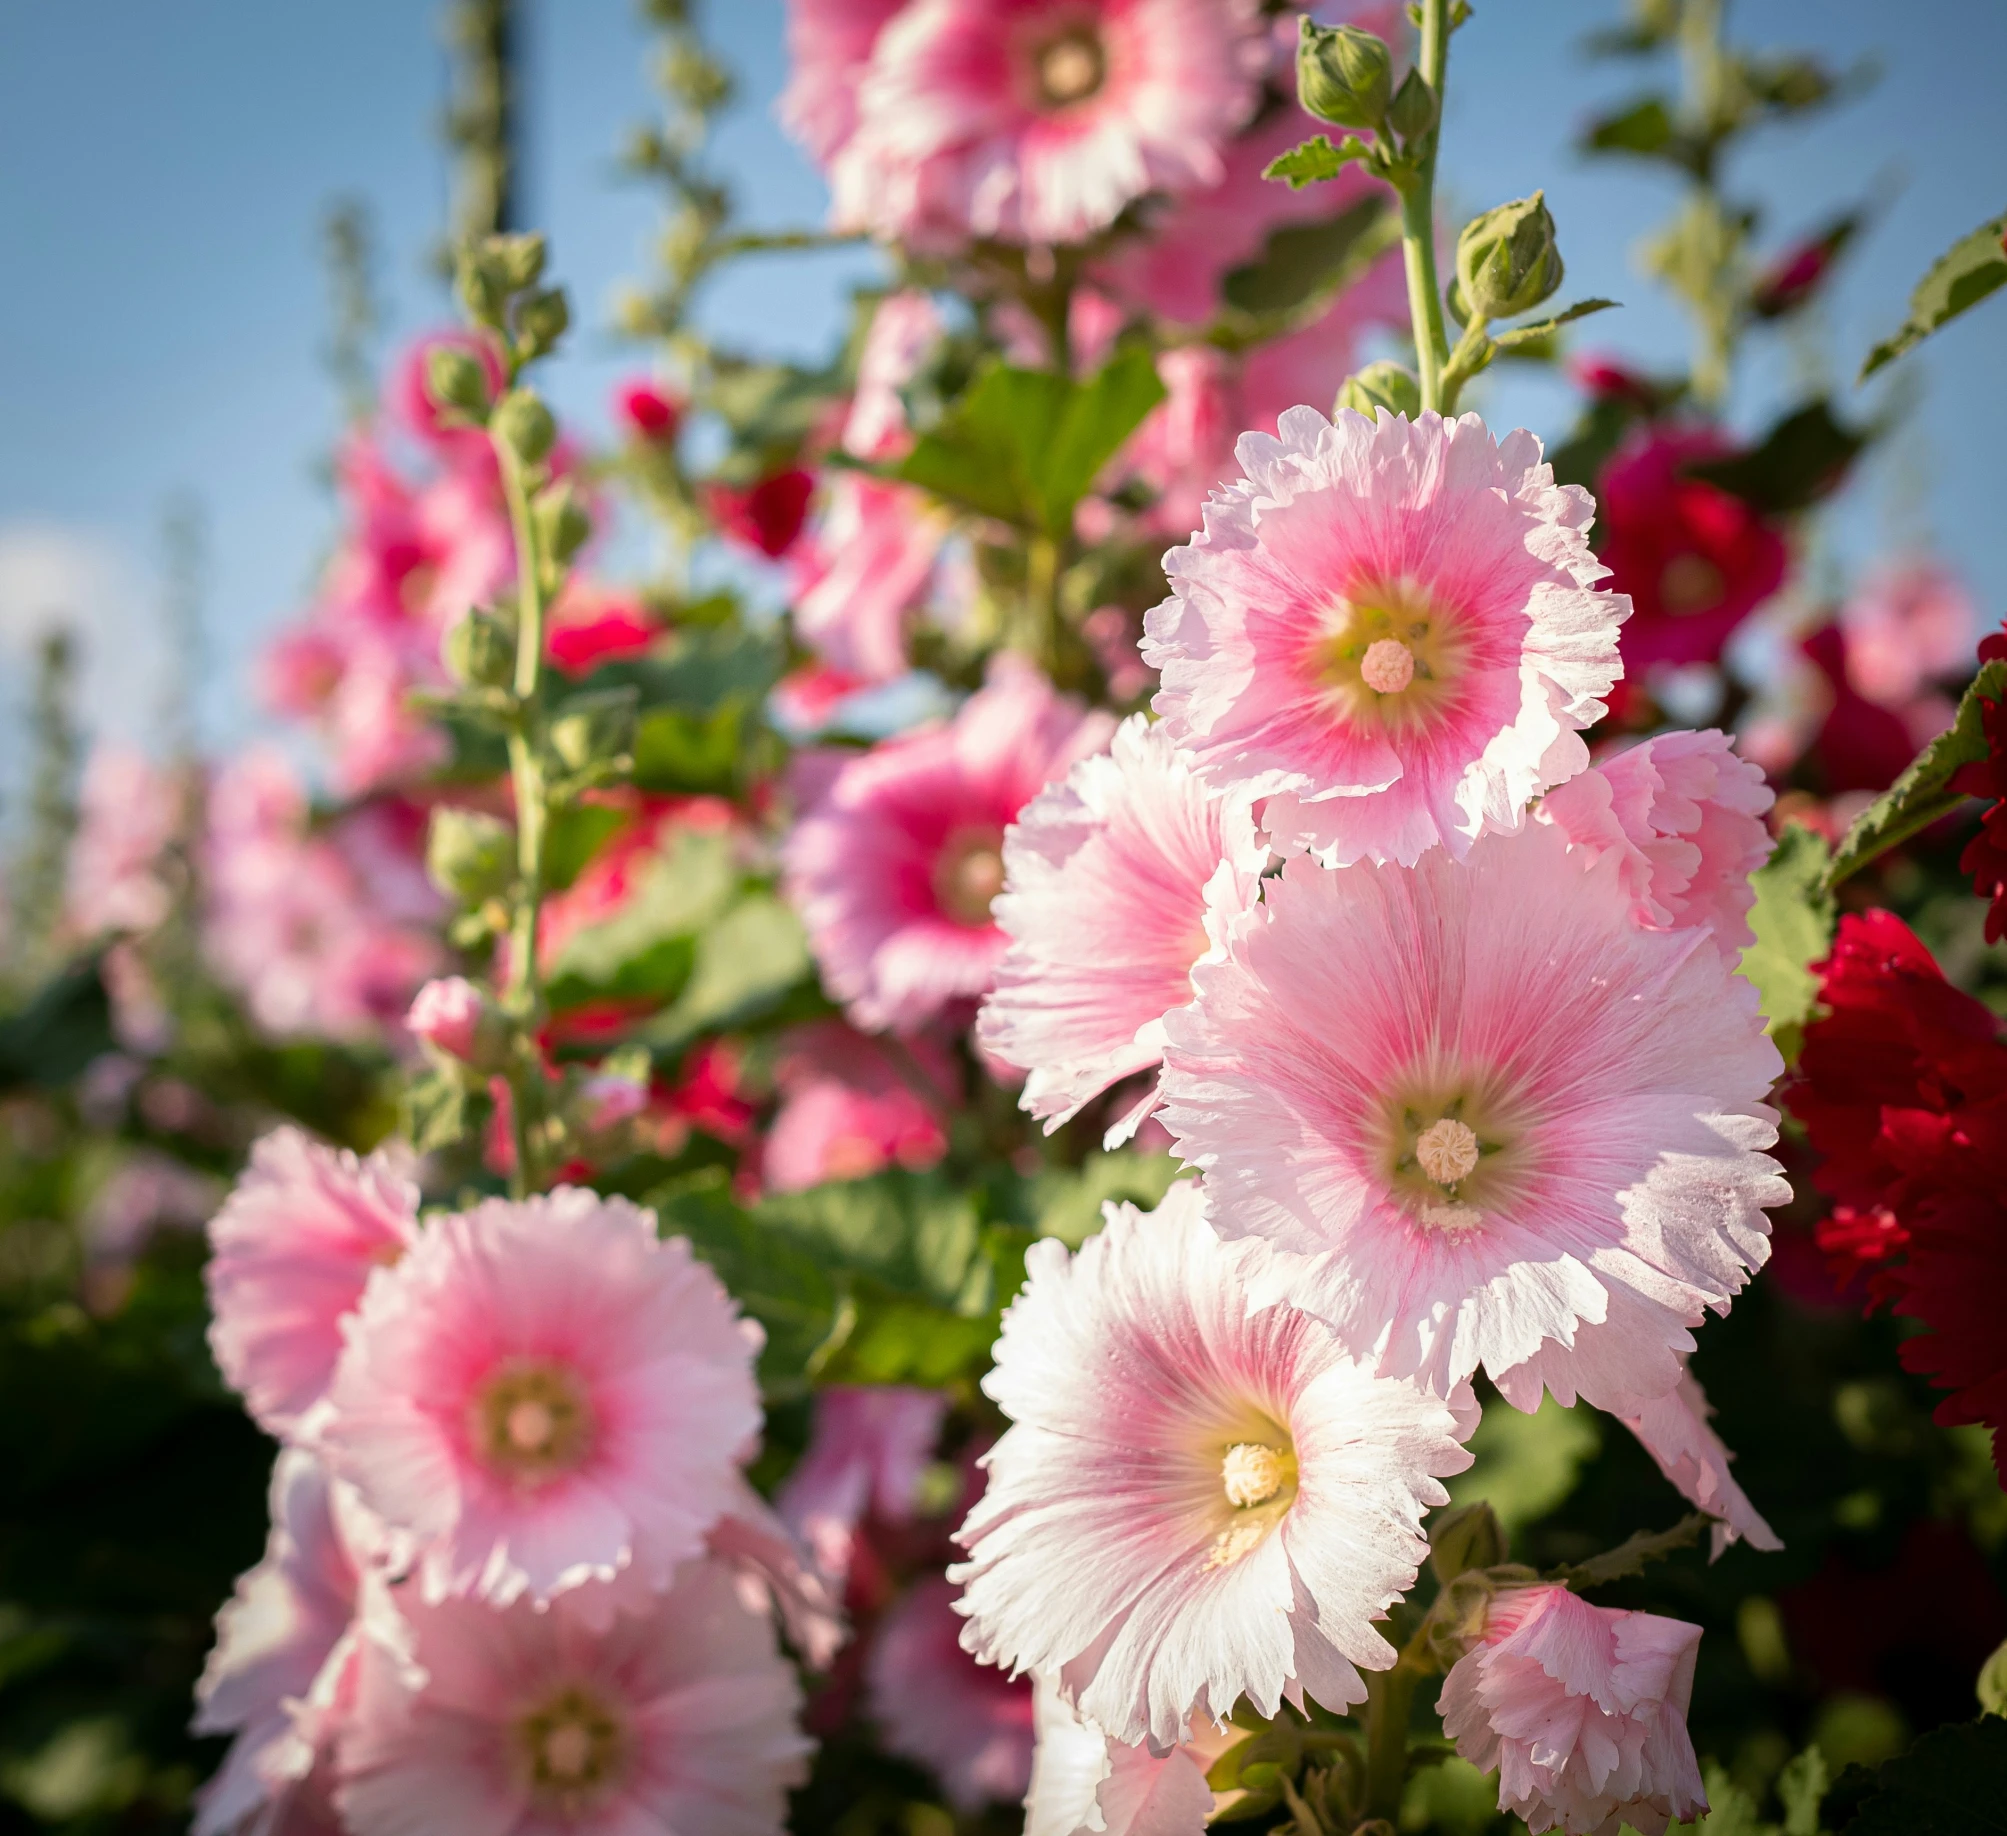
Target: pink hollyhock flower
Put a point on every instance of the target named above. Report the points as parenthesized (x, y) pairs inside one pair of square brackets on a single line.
[(894, 867), (934, 1704), (1031, 122), (1910, 625), (1675, 1432), (870, 1447), (1684, 815), (1482, 1118), (904, 329), (1195, 1501), (829, 44), (871, 559), (545, 1393), (591, 624), (292, 1250), (676, 1715), (648, 411), (1389, 630), (448, 1013), (776, 1576), (1581, 1711), (1083, 1781), (1694, 561), (846, 1111), (1116, 881), (282, 1672), (127, 813)]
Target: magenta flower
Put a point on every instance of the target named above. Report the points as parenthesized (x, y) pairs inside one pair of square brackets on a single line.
[(934, 1704), (1482, 1118), (871, 1444), (1581, 1711), (1083, 1781), (1389, 630), (678, 1715), (829, 44), (292, 1248), (1116, 881), (1195, 1501), (895, 865), (1684, 815), (545, 1393), (1035, 121), (1675, 1432)]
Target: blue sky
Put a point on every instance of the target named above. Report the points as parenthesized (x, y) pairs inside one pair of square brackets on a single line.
[(164, 171)]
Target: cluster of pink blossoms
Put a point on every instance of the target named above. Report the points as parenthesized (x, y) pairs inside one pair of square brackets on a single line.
[(1447, 1021), (516, 1579)]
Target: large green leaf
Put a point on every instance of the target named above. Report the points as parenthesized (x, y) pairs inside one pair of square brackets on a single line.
[(1952, 1782), (649, 949), (1803, 458), (1966, 273), (1922, 794), (1793, 921), (65, 1024), (1302, 266), (742, 964), (909, 1232)]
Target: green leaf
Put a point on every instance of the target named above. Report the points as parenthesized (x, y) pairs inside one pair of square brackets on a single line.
[(1803, 458), (911, 1233), (895, 1340), (1526, 1465), (1733, 1811), (575, 834), (1952, 1782), (1645, 129), (1793, 921), (1993, 1683), (743, 964), (1973, 267), (1546, 328), (1066, 1202), (1922, 795), (677, 751), (434, 1106), (65, 1024), (649, 949), (1633, 1555), (1313, 160), (1304, 265), (1097, 417)]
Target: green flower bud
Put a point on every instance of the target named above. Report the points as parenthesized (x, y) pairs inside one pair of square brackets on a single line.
[(454, 379), (516, 262), (1506, 260), (541, 320), (479, 651), (1414, 109), (523, 424), (470, 855), (1343, 75), (1465, 1539), (596, 728), (1382, 385), (562, 523)]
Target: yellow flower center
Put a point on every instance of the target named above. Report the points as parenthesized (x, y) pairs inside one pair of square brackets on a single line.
[(1257, 1485), (1252, 1474), (1069, 68), (968, 876), (1389, 655), (532, 1422), (1451, 1148), (573, 1749)]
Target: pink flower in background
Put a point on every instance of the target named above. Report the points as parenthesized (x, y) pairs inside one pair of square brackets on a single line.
[(829, 45), (128, 811), (543, 1394), (894, 866), (904, 329), (869, 560), (1037, 121), (1116, 881), (847, 1111), (1684, 816), (1081, 1780), (1195, 1501), (648, 411), (776, 1574), (410, 396), (1675, 1432), (1909, 626), (292, 1249), (592, 624), (968, 1724), (1389, 631), (871, 1445), (447, 1013), (1581, 1710), (282, 1671), (1482, 1118), (679, 1715)]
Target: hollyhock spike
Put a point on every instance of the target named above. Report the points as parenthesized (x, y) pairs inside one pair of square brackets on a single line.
[(1482, 1119), (1389, 630), (1214, 1463)]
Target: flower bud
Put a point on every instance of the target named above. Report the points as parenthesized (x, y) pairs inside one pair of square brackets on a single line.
[(456, 1018), (479, 651), (455, 379), (1506, 260), (563, 526), (524, 425), (1382, 385), (515, 261), (1414, 108), (595, 729), (480, 292), (470, 855), (1343, 75), (1465, 1539), (541, 320)]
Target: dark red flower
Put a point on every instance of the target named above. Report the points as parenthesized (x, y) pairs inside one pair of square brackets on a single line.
[(1985, 856), (1695, 560), (767, 516), (1799, 271), (1954, 1279), (647, 410), (1860, 745)]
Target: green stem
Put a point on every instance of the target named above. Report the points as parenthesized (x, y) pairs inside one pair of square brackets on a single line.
[(1389, 1697), (522, 999), (1041, 593), (1418, 218), (1704, 62)]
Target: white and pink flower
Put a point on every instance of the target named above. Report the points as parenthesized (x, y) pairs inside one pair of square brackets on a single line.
[(1082, 1781), (895, 865), (968, 1724), (1388, 630), (1195, 1501), (545, 1393), (1675, 1431), (1482, 1118), (1684, 815), (1039, 120), (1116, 881), (672, 1712), (1581, 1711), (291, 1251), (870, 560)]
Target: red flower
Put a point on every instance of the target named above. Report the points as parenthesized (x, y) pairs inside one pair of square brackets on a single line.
[(590, 625), (1985, 856), (648, 412), (1861, 745), (768, 516), (1695, 560)]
